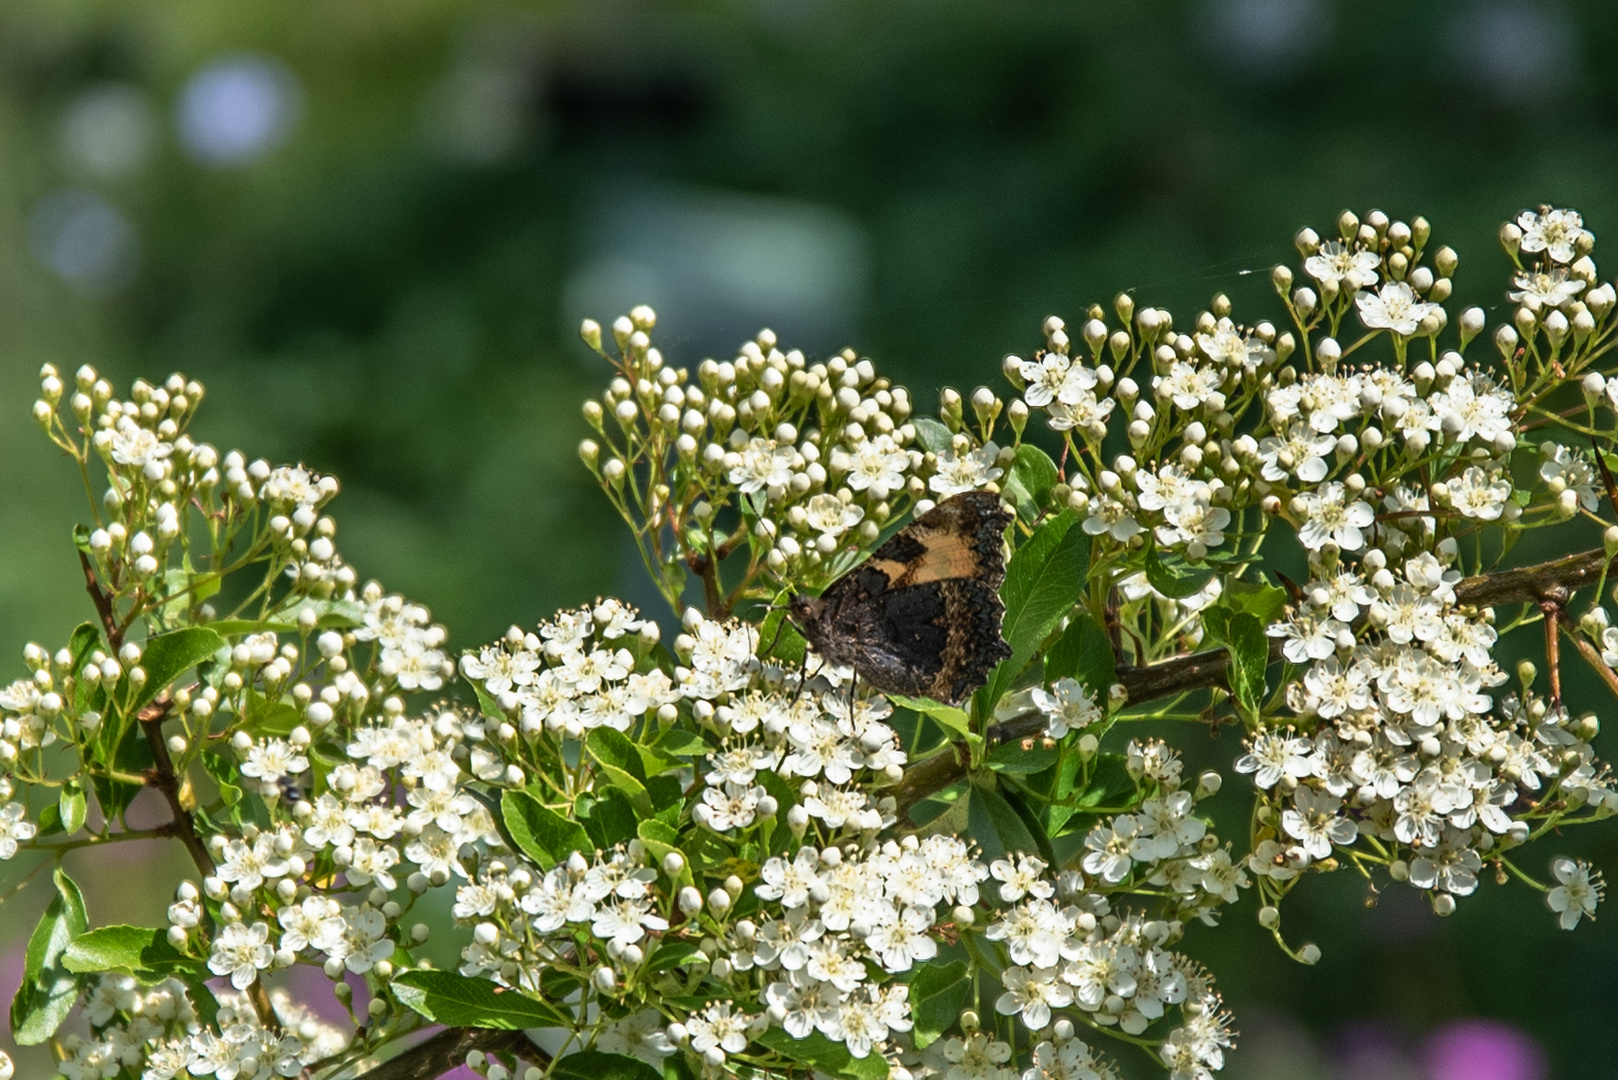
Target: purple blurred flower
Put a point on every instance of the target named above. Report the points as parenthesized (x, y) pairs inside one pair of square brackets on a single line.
[(1482, 1050)]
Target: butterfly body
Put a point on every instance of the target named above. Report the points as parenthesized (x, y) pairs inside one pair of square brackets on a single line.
[(921, 617)]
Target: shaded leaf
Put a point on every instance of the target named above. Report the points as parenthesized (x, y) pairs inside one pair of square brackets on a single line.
[(1044, 579), (1173, 577), (168, 656), (1083, 652), (539, 832), (1028, 483), (596, 1065), (937, 995), (1014, 757), (1249, 658), (819, 1052), (933, 436), (457, 1001), (996, 826)]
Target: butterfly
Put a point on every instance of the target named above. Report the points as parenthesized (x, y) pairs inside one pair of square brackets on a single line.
[(920, 617)]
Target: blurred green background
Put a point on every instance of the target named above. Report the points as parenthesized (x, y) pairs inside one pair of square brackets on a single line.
[(370, 227)]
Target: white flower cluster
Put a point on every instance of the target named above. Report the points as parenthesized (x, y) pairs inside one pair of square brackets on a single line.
[(270, 911), (575, 674), (1409, 744), (154, 1033)]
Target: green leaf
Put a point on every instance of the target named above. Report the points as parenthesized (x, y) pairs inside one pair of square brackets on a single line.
[(662, 839), (264, 719), (671, 954), (682, 743), (611, 820), (937, 995), (1176, 581), (49, 991), (223, 769), (1083, 652), (933, 436), (1109, 787), (168, 656), (950, 718), (140, 951), (996, 826), (1013, 757), (1043, 581), (233, 627), (541, 833), (70, 804), (457, 1001), (1249, 658), (819, 1052), (1028, 484), (613, 748), (782, 638), (86, 639), (596, 1065), (130, 754), (1264, 602), (185, 589)]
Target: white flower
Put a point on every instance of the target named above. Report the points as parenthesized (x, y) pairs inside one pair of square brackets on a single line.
[(241, 952), (732, 807), (1021, 878), (1328, 516), (1393, 307), (138, 446), (1479, 494), (14, 828), (1339, 264), (1226, 346), (625, 922), (1473, 407), (1315, 823), (1546, 288), (877, 465), (1300, 451), (1555, 232), (1045, 376), (759, 465), (965, 472), (1114, 847), (317, 919), (718, 1027), (1578, 893), (977, 1057), (830, 516), (1277, 754), (271, 759), (639, 1035), (1068, 706), (902, 942), (1032, 993), (1565, 469), (1190, 387), (364, 942)]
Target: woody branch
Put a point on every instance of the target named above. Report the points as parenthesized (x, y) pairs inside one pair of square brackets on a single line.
[(1551, 581)]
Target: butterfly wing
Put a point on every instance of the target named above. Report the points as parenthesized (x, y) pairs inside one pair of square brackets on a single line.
[(921, 616)]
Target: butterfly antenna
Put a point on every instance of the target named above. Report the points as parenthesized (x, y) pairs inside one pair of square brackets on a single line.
[(1606, 474)]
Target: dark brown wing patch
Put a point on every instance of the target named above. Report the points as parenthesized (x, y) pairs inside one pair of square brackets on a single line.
[(921, 616)]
